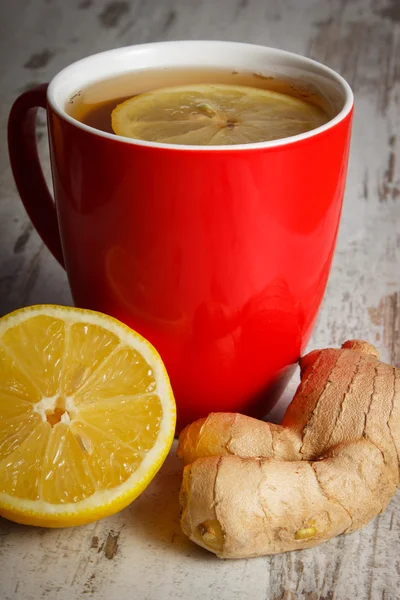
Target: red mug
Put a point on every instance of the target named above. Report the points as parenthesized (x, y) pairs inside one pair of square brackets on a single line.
[(218, 255)]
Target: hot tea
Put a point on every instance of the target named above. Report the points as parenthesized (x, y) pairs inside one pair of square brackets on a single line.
[(200, 106), (219, 256)]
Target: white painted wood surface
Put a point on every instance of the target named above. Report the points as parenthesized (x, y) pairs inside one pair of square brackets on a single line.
[(140, 554)]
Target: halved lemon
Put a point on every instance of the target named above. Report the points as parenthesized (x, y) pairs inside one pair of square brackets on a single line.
[(87, 415), (214, 114)]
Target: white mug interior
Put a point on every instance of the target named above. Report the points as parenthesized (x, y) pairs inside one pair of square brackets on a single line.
[(202, 54)]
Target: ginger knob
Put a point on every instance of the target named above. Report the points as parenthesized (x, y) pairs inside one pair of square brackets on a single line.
[(252, 488)]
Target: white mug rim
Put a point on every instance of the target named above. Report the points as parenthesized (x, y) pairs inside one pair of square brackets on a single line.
[(342, 114)]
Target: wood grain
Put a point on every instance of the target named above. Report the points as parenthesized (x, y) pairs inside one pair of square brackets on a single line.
[(141, 552)]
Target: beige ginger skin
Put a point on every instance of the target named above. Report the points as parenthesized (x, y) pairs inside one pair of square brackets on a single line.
[(252, 488)]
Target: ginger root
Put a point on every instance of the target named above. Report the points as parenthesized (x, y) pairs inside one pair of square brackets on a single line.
[(252, 488)]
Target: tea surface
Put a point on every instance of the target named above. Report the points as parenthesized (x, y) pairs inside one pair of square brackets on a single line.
[(95, 104)]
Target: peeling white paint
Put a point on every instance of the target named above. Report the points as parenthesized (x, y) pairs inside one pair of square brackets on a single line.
[(150, 557)]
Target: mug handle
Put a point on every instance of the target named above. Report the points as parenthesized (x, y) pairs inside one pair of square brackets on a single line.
[(28, 174)]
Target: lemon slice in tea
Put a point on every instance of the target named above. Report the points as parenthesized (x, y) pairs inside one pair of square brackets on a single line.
[(87, 415), (214, 115)]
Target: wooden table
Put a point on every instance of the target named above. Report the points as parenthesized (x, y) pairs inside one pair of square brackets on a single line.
[(141, 554)]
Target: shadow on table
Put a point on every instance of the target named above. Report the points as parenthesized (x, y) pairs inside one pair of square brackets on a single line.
[(154, 517)]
